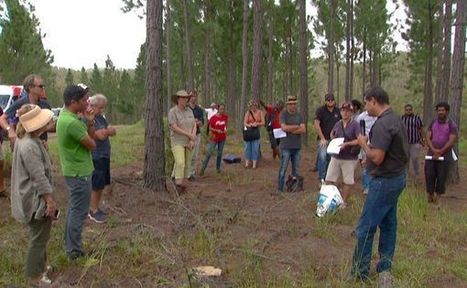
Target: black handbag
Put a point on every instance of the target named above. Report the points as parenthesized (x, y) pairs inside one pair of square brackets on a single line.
[(251, 133)]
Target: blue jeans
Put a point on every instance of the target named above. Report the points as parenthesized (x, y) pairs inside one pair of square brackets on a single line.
[(287, 154), (211, 147), (323, 159), (79, 196), (365, 178), (379, 210), (252, 150)]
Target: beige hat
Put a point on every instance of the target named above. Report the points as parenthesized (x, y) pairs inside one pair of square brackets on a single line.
[(291, 100), (182, 93), (35, 119)]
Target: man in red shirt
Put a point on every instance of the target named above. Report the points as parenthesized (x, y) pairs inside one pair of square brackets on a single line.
[(272, 122), (218, 134)]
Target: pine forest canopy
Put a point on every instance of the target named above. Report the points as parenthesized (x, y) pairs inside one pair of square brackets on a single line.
[(203, 47)]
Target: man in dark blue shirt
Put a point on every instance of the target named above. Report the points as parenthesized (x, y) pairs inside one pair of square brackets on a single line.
[(198, 112), (100, 157)]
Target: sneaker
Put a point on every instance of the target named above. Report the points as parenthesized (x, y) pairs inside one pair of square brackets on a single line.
[(75, 255), (385, 280), (45, 279), (98, 216)]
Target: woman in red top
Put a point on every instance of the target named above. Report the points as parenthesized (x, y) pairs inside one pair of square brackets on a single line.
[(218, 130)]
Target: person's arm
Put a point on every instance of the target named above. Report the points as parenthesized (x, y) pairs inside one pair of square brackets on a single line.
[(452, 139), (376, 155), (10, 130), (245, 119), (104, 133), (316, 123), (261, 118)]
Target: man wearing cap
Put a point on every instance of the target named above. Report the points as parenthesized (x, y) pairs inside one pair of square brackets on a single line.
[(387, 157), (75, 138), (325, 119), (345, 162), (292, 123), (35, 89)]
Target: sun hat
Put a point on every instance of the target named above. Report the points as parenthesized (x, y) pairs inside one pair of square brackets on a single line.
[(291, 100), (182, 93), (35, 119)]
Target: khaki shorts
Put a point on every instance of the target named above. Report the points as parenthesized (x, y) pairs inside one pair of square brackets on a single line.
[(338, 167)]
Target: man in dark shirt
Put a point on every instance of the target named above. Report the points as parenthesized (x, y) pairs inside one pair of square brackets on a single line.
[(325, 119), (387, 156), (292, 123), (415, 136), (198, 112), (100, 157), (272, 122), (33, 85)]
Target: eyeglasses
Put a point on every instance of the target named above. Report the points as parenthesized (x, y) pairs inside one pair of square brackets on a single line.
[(42, 86)]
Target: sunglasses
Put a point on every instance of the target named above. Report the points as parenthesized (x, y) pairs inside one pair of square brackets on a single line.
[(42, 86)]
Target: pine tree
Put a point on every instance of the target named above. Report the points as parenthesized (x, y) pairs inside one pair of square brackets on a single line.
[(69, 77), (21, 49)]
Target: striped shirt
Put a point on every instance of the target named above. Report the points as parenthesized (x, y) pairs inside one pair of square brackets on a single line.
[(413, 124)]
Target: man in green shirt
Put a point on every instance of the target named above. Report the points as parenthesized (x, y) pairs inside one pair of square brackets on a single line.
[(75, 142)]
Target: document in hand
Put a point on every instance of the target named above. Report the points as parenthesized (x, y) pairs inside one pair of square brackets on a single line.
[(334, 146), (279, 133)]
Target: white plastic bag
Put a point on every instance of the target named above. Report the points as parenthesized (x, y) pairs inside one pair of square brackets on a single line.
[(329, 200)]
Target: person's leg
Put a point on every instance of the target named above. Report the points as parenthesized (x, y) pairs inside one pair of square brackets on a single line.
[(414, 155), (365, 179), (188, 157), (373, 212), (333, 171), (430, 178), (248, 153), (79, 190), (348, 177), (211, 147), (39, 231), (295, 159), (98, 184), (255, 152), (220, 149), (285, 156), (195, 156), (178, 152), (322, 162), (388, 225), (442, 170)]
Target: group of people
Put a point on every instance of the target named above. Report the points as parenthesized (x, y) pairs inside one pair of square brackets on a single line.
[(377, 138), (84, 150)]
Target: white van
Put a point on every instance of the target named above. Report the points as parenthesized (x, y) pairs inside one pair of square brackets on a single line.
[(8, 94)]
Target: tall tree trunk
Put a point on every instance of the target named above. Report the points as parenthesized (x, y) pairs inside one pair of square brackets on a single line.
[(154, 147), (446, 73), (289, 62), (439, 54), (457, 77), (244, 64), (270, 71), (303, 67), (257, 51), (330, 39), (428, 89), (364, 70), (168, 63), (348, 52), (352, 49), (338, 84), (189, 51), (207, 79), (231, 79)]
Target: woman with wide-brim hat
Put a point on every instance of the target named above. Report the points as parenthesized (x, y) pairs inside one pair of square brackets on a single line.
[(253, 120), (182, 137), (32, 202)]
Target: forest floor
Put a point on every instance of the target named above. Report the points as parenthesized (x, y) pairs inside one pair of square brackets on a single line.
[(232, 221)]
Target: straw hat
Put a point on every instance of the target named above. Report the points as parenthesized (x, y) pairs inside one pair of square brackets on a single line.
[(35, 119), (291, 100), (182, 93)]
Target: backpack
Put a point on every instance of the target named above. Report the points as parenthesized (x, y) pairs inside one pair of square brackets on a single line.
[(294, 184)]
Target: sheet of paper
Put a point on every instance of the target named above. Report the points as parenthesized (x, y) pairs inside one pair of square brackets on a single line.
[(454, 156), (428, 157), (279, 133), (334, 145)]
